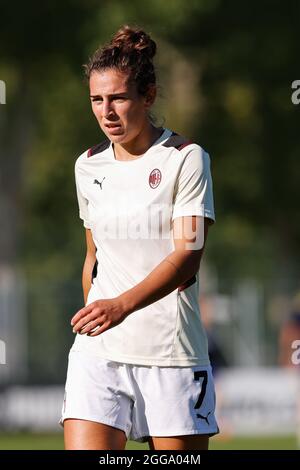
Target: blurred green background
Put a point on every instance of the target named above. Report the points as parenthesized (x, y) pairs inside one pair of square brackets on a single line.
[(225, 70), (55, 442)]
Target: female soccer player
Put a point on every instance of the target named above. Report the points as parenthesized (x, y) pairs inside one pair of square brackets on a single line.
[(139, 366)]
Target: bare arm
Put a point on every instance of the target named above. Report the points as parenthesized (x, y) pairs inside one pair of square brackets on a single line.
[(89, 263), (178, 267), (181, 265)]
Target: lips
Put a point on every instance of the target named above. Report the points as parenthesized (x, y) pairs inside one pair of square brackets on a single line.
[(113, 129), (112, 126)]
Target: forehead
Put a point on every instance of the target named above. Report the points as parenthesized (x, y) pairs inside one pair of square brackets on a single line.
[(109, 82)]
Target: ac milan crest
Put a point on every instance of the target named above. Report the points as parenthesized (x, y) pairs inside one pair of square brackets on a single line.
[(154, 178)]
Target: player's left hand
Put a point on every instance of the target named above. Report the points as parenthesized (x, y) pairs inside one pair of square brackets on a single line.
[(98, 317)]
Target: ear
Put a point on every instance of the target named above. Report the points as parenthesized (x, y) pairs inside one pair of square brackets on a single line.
[(150, 96)]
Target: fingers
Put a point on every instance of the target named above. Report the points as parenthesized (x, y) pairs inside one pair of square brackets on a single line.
[(90, 327), (89, 320), (94, 328), (82, 313), (99, 330), (84, 317), (84, 323), (95, 318)]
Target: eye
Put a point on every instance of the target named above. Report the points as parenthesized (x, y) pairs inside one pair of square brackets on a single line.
[(98, 100), (119, 99)]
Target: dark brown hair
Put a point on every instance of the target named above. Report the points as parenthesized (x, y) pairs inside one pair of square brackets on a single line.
[(131, 50)]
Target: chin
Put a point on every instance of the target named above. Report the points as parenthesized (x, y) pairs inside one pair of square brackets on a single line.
[(116, 139)]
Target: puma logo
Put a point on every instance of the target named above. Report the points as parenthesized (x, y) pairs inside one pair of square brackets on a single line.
[(205, 418), (99, 182)]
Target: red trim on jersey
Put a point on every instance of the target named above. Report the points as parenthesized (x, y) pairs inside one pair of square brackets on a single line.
[(89, 152), (188, 142)]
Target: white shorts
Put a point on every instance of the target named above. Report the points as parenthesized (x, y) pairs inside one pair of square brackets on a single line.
[(142, 401)]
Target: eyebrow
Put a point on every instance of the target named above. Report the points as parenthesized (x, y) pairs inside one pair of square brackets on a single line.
[(111, 95)]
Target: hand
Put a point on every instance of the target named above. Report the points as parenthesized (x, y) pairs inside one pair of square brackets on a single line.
[(99, 316)]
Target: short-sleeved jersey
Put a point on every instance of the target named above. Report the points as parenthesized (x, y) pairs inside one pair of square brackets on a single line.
[(129, 207)]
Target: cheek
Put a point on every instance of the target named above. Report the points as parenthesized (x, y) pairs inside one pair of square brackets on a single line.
[(135, 115), (97, 112), (94, 109)]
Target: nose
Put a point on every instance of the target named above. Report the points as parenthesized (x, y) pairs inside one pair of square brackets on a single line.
[(107, 108)]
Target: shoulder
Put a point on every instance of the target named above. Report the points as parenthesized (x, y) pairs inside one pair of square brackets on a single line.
[(99, 148), (176, 141), (186, 148), (87, 155)]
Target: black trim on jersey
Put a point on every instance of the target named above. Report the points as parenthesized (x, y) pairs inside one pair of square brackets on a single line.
[(98, 148), (177, 141), (187, 284), (95, 269)]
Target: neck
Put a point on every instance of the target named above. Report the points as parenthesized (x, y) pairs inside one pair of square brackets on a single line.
[(139, 145)]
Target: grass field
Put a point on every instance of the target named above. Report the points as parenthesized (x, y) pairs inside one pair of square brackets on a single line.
[(55, 442)]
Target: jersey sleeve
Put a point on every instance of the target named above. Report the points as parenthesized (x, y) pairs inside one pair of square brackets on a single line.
[(82, 202), (193, 193)]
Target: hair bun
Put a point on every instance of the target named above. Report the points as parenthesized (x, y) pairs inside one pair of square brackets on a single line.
[(128, 39), (130, 51)]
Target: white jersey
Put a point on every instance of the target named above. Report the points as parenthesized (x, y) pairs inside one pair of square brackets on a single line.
[(129, 207)]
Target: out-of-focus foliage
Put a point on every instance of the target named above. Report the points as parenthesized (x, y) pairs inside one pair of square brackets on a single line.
[(225, 70)]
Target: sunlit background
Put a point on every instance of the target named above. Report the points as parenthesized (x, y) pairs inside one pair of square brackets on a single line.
[(225, 70)]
